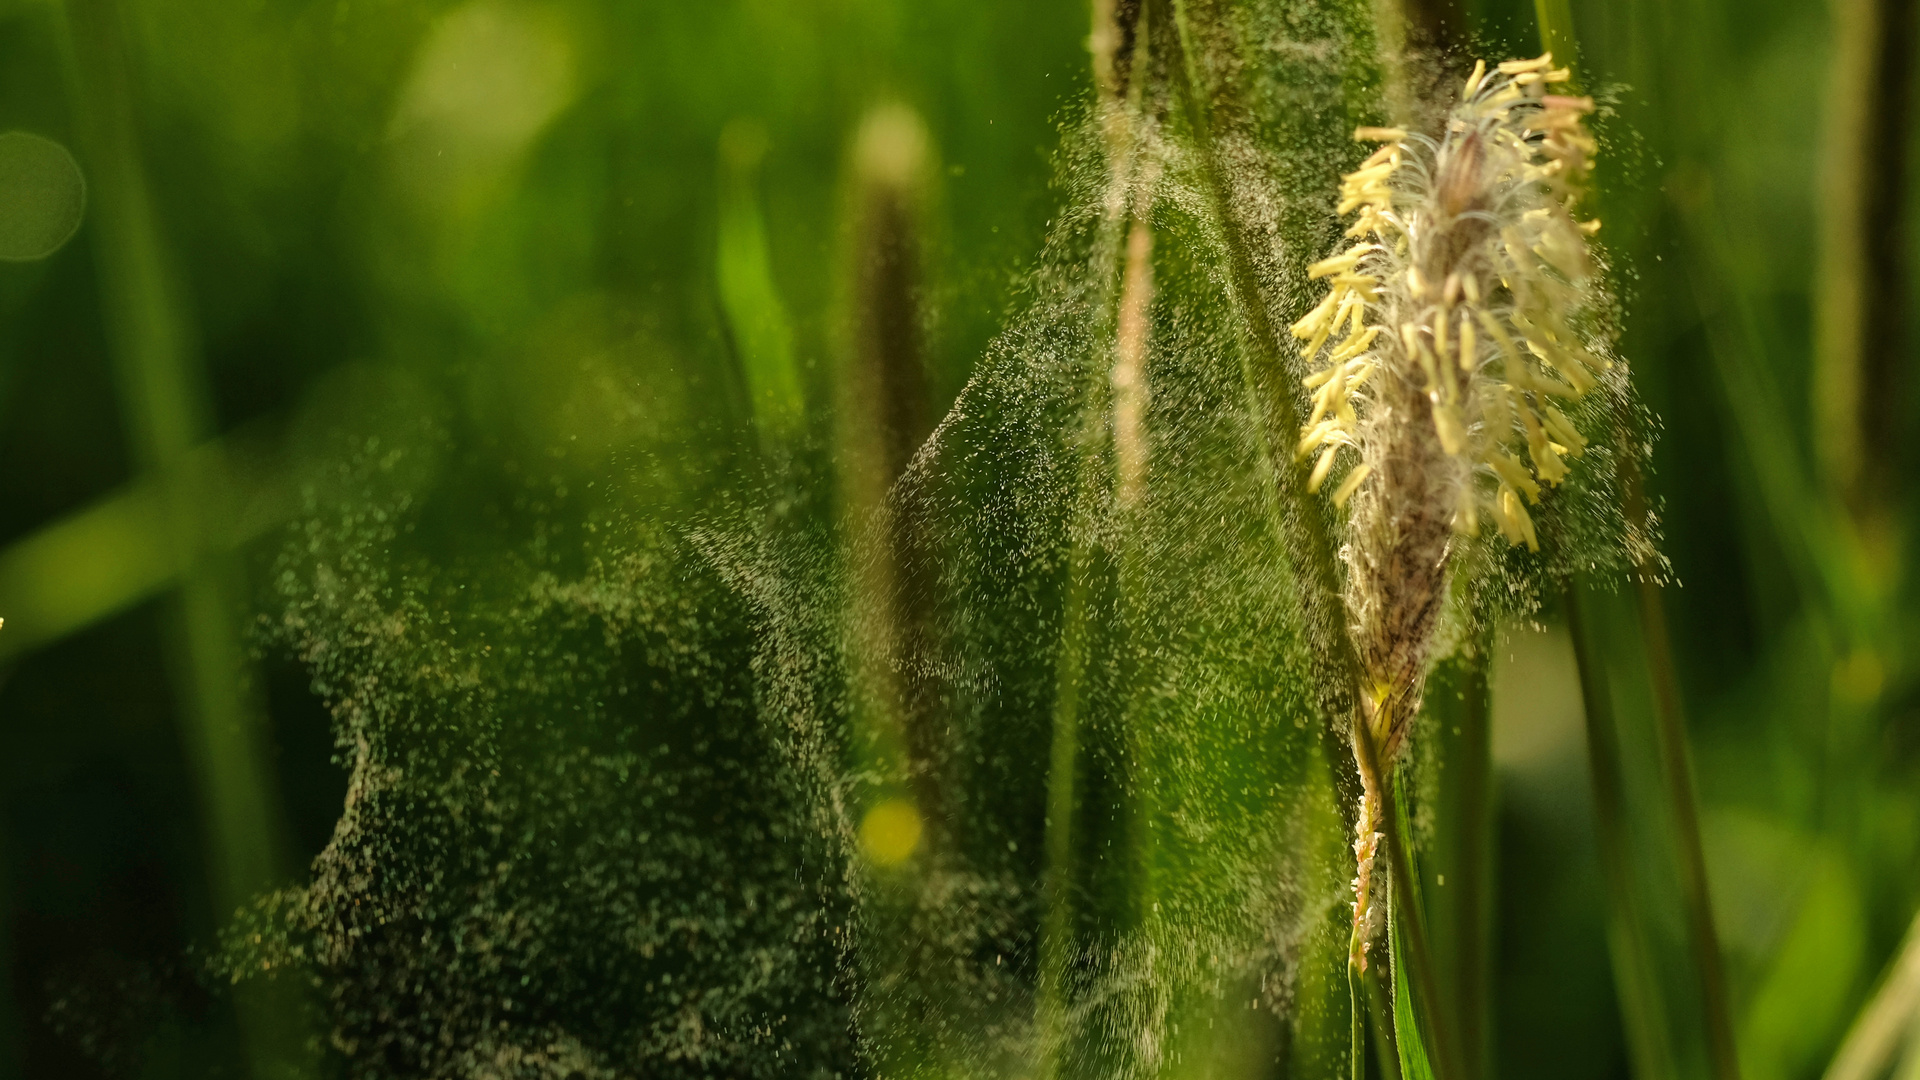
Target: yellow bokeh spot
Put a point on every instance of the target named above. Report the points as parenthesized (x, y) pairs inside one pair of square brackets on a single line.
[(890, 832)]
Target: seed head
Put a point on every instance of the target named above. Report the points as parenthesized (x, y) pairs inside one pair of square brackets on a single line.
[(1440, 350)]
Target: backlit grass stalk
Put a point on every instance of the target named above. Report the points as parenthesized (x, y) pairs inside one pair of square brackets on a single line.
[(1863, 284), (1122, 271), (1634, 975), (883, 415), (1438, 350), (882, 410), (1891, 1018), (1459, 703), (1302, 522)]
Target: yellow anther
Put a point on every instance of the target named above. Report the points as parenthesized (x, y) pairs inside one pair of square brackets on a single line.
[(1322, 467), (1355, 477), (1447, 424), (1310, 323), (1335, 264), (1473, 81), (1514, 474), (1517, 67), (1355, 345)]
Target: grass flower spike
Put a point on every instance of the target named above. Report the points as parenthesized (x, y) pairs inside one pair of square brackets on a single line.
[(1439, 356)]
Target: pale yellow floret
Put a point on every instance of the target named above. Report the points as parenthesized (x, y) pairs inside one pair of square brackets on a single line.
[(1360, 341), (1473, 81), (1321, 468), (1515, 524), (1362, 286), (1317, 435), (1563, 431), (1447, 423), (1309, 323), (1351, 484), (1487, 379), (1521, 67), (1335, 264), (1514, 474)]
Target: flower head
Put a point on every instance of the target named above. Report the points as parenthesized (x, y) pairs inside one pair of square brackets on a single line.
[(1467, 264), (1442, 352)]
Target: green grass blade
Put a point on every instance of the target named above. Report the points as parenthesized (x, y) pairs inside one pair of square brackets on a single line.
[(1415, 1064)]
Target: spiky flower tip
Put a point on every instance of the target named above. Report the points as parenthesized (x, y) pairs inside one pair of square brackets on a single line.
[(1441, 347), (1448, 332)]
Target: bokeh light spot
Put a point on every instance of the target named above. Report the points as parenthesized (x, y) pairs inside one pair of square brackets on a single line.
[(890, 832), (42, 196)]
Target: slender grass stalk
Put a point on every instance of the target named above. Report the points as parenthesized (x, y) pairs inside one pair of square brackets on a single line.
[(1056, 939), (883, 414), (1670, 719), (1637, 982), (167, 416), (1863, 328), (1120, 317), (1677, 773), (1676, 760), (100, 561), (1300, 521), (1438, 1029), (1461, 906), (1892, 1014), (1556, 31), (1379, 1013)]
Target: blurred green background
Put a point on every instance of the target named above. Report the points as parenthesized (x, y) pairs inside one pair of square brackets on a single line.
[(576, 230)]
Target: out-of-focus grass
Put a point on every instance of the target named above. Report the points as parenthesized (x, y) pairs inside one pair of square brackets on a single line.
[(588, 241)]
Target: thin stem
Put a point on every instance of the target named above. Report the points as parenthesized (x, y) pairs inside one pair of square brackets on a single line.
[(1459, 704), (1406, 906), (1639, 992), (1071, 664), (1863, 328), (1676, 760), (1556, 31), (1380, 1018), (164, 402)]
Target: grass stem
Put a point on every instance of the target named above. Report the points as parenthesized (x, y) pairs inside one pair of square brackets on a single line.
[(1676, 760), (1406, 908), (1640, 1003)]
